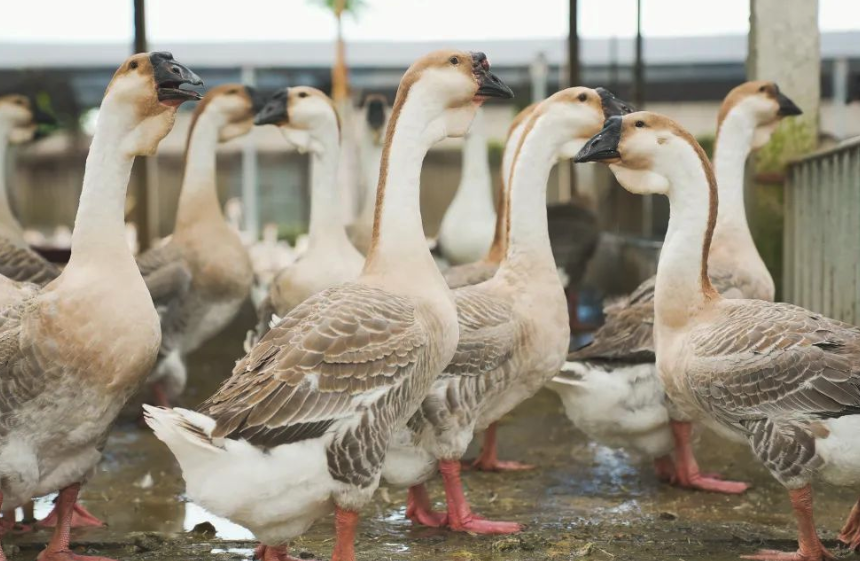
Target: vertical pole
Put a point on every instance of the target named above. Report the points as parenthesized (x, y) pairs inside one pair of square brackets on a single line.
[(840, 96), (142, 167), (567, 172), (639, 103), (250, 196)]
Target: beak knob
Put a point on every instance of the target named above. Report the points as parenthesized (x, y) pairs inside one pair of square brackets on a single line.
[(489, 85)]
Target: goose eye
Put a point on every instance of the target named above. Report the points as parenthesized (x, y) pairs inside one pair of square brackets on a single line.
[(640, 124), (582, 97), (454, 60), (20, 102), (762, 89), (133, 65), (303, 94)]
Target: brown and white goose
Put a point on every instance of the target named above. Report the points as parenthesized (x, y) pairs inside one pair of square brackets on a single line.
[(784, 379), (514, 329), (19, 119), (309, 121), (304, 423), (70, 361), (476, 272), (610, 388), (201, 277), (376, 112)]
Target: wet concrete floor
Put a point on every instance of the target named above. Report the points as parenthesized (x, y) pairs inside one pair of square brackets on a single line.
[(584, 501)]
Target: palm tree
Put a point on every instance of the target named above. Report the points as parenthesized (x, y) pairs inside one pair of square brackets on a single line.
[(339, 73)]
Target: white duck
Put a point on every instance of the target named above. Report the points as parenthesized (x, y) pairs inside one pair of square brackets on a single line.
[(309, 121), (303, 425), (781, 378), (201, 277), (469, 224), (514, 328), (70, 361), (610, 388)]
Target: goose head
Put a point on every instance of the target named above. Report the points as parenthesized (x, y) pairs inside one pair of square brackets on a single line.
[(376, 112), (579, 113), (306, 116), (141, 100), (20, 118), (644, 151), (234, 106), (449, 86), (762, 104)]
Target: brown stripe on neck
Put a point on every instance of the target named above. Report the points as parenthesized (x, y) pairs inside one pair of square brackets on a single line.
[(498, 248)]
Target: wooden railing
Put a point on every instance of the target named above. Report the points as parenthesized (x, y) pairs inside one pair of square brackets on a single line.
[(822, 232)]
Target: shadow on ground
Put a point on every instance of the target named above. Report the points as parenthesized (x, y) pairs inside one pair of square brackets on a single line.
[(584, 502)]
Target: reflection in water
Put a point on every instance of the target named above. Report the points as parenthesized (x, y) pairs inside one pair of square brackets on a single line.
[(226, 530)]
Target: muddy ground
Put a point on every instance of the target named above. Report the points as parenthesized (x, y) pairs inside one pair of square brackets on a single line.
[(583, 502)]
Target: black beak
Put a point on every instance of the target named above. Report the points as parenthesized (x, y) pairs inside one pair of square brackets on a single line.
[(489, 84), (258, 100), (613, 106), (169, 76), (787, 108), (274, 112), (375, 113), (604, 145)]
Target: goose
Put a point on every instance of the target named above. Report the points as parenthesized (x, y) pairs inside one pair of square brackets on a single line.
[(468, 227), (476, 272), (514, 328), (303, 424), (19, 119), (781, 378), (308, 119), (376, 112), (201, 277), (610, 388), (70, 360)]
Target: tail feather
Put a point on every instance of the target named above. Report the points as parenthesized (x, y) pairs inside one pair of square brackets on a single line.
[(572, 373), (184, 432)]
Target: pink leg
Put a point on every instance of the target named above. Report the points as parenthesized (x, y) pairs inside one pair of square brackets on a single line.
[(81, 518), (58, 547), (460, 515), (9, 525), (850, 534), (811, 548), (687, 469), (420, 511), (345, 524), (488, 460), (272, 553)]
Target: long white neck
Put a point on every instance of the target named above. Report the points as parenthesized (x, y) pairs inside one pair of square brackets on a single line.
[(99, 235), (198, 199), (681, 281), (326, 220), (529, 251), (10, 228), (732, 148), (371, 154), (399, 248), (474, 192)]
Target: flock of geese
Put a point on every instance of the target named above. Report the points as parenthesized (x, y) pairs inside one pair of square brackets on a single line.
[(369, 362)]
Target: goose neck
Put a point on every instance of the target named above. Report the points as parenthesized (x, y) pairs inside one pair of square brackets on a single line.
[(733, 145), (10, 228), (198, 199), (326, 221), (474, 189)]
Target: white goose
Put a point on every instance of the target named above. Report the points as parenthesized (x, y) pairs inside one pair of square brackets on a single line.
[(70, 361), (376, 112), (201, 277), (19, 119), (514, 328), (309, 121), (304, 423), (782, 378), (610, 388), (469, 224)]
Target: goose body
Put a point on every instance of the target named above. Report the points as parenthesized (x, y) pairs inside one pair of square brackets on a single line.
[(201, 277), (514, 328), (468, 227), (610, 388), (330, 258), (782, 378), (325, 388), (70, 360), (18, 262)]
